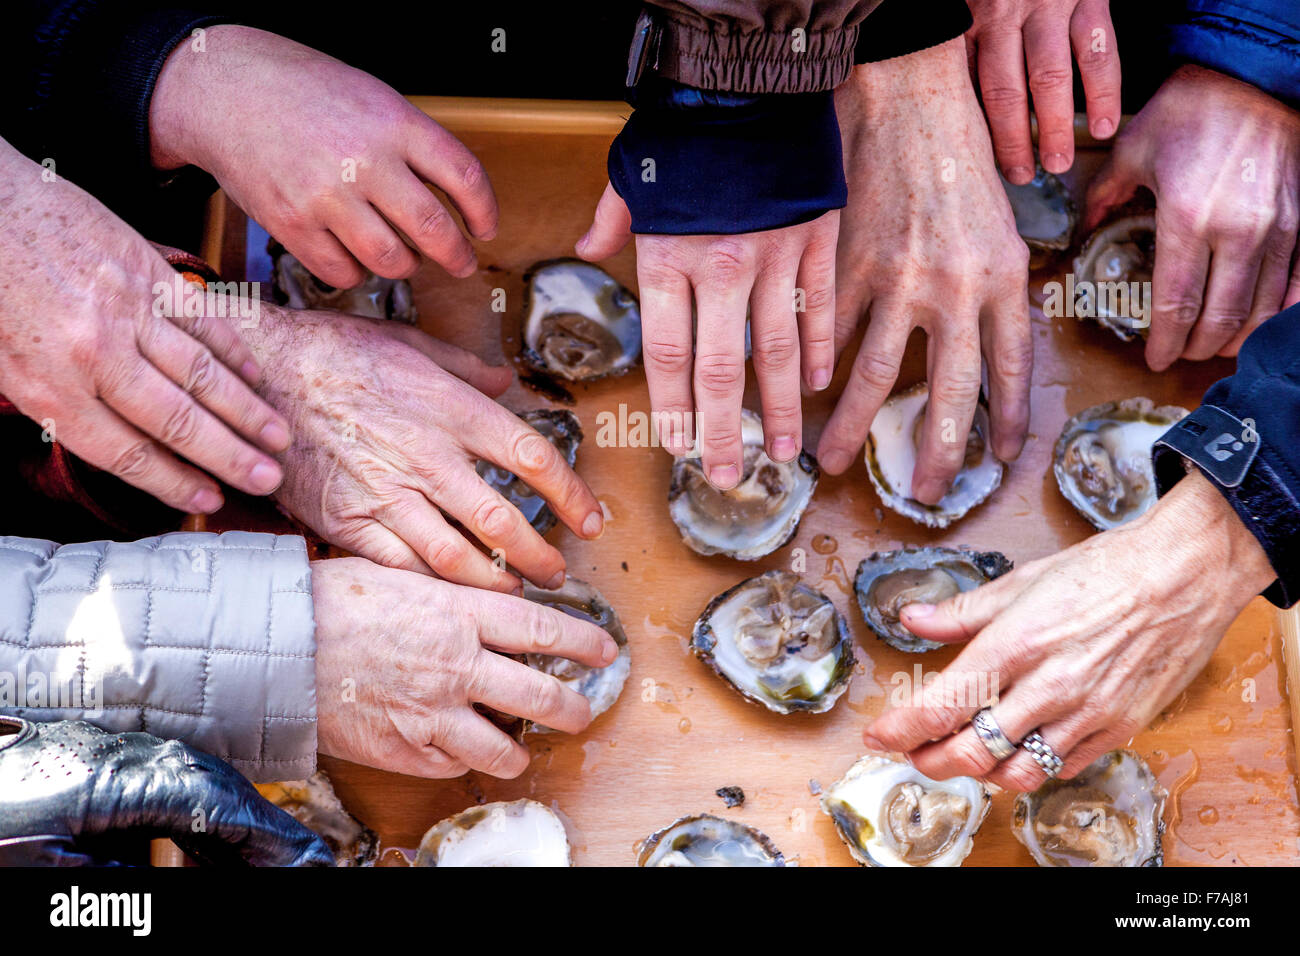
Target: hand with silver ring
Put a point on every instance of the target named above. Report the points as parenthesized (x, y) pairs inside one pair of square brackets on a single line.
[(990, 734)]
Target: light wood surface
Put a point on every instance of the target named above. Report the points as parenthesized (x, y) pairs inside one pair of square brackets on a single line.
[(1223, 748)]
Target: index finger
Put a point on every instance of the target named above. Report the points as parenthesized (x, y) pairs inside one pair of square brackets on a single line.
[(443, 160), (515, 625), (954, 395)]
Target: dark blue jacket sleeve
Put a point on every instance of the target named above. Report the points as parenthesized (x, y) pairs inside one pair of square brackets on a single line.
[(1257, 41), (1245, 438)]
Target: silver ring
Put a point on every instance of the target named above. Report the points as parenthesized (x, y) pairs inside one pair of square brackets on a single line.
[(1043, 754), (991, 735)]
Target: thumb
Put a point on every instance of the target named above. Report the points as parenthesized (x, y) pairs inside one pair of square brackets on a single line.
[(963, 616), (611, 228), (1114, 184)]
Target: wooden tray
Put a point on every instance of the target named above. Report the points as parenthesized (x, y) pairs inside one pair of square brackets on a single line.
[(1223, 748)]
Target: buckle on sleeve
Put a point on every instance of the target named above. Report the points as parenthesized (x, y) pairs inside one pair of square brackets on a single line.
[(1220, 444)]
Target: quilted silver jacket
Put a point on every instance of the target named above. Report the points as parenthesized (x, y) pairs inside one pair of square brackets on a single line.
[(204, 638)]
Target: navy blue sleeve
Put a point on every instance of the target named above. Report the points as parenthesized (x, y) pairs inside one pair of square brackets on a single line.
[(1245, 438), (1256, 41)]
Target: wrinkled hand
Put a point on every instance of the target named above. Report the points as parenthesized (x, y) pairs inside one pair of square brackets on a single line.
[(1086, 646), (124, 381), (419, 653), (329, 159), (1223, 159), (698, 374), (928, 240), (388, 426)]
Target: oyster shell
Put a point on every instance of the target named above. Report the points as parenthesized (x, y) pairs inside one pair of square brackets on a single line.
[(314, 804), (600, 685), (520, 833), (1111, 814), (888, 813), (579, 323), (778, 642), (375, 298), (891, 459), (706, 840), (563, 430), (1117, 255), (888, 581), (1102, 461), (753, 519), (1045, 216)]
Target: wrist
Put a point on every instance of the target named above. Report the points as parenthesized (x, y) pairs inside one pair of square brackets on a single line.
[(180, 108), (932, 77)]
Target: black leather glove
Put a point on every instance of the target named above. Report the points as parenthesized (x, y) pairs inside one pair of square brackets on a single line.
[(73, 795)]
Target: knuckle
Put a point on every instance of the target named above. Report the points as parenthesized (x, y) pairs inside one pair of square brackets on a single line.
[(667, 356), (1051, 80), (547, 697), (876, 371), (132, 462), (718, 374), (493, 519), (531, 454), (819, 298), (543, 632), (1015, 359), (389, 254), (1022, 778), (728, 260), (448, 558), (472, 173), (955, 389), (431, 221), (1002, 100), (181, 426), (1180, 311), (503, 760), (201, 375), (774, 352)]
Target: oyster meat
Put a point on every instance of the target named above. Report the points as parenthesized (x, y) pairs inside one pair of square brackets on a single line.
[(580, 323), (1111, 814), (888, 581), (1113, 274), (778, 642), (562, 429), (888, 813), (706, 840), (520, 833), (375, 298), (1102, 461), (600, 685), (892, 446), (1045, 216), (314, 804), (753, 519)]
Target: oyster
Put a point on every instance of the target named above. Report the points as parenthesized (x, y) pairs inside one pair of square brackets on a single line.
[(1111, 814), (1112, 275), (890, 814), (600, 685), (888, 581), (752, 519), (706, 840), (375, 298), (562, 429), (778, 642), (1045, 216), (579, 323), (1102, 460), (891, 452), (520, 833), (314, 804)]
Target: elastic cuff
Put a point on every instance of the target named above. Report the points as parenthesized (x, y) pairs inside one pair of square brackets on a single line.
[(895, 28), (1230, 454), (695, 163)]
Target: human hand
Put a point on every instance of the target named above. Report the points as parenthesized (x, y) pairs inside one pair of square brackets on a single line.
[(928, 240), (389, 425), (1008, 35), (420, 654), (696, 369), (88, 346), (1086, 646), (332, 162), (1223, 159)]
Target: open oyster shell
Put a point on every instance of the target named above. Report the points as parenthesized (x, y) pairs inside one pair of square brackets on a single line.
[(758, 516), (1045, 216), (1102, 461), (1111, 814), (314, 804), (579, 323), (891, 459), (600, 685), (778, 642), (563, 430), (888, 581), (375, 298), (888, 813), (1115, 265), (706, 840), (520, 833)]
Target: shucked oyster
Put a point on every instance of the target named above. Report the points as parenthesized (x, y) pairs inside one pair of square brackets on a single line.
[(1112, 275), (1045, 216), (375, 298), (579, 323), (1111, 814), (892, 446), (1102, 460), (779, 642), (600, 685), (314, 804), (888, 581), (521, 833), (890, 814), (562, 429), (706, 840), (752, 519)]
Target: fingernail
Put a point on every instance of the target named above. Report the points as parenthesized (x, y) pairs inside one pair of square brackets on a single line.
[(784, 448), (265, 477), (722, 477), (593, 525), (1056, 162), (609, 651), (834, 462), (251, 371), (1019, 175), (205, 502), (821, 378), (931, 492), (872, 743), (915, 612), (580, 247), (275, 437), (556, 582), (1103, 128)]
